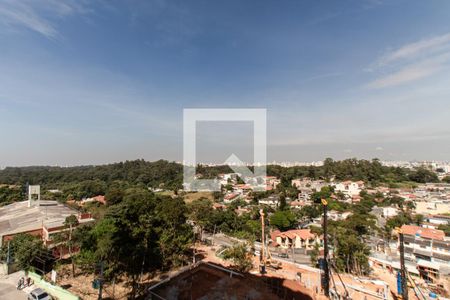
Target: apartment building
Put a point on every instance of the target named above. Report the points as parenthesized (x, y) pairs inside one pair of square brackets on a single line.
[(429, 249)]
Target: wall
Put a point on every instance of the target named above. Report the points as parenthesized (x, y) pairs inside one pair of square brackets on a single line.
[(6, 269), (8, 237), (53, 290)]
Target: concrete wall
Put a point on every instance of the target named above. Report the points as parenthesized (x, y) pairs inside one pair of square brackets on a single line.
[(6, 269), (54, 290)]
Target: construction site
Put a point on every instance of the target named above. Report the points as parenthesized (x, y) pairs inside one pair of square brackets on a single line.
[(206, 280), (275, 278)]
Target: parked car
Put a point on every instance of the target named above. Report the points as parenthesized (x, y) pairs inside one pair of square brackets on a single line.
[(283, 255), (39, 294)]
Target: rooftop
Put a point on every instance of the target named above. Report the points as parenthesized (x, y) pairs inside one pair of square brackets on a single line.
[(211, 281), (18, 217), (427, 233)]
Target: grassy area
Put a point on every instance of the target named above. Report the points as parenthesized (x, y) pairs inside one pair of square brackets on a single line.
[(189, 197), (166, 193)]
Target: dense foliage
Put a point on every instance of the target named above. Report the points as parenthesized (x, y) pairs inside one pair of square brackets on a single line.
[(141, 233), (94, 179), (240, 256), (88, 181), (23, 249), (10, 194)]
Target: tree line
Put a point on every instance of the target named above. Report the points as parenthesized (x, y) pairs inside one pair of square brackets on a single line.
[(92, 180)]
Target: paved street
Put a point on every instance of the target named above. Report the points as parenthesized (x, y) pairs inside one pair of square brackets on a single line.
[(8, 288)]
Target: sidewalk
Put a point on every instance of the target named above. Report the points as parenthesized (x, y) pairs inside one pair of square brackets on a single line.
[(8, 287)]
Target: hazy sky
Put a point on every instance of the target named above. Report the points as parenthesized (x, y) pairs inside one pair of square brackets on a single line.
[(86, 82)]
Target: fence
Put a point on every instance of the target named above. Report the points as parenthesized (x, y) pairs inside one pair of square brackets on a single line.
[(54, 290)]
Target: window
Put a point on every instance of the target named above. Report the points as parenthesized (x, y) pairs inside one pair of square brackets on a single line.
[(42, 296)]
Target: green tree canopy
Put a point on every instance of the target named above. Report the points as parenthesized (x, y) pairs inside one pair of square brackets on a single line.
[(240, 256), (283, 220)]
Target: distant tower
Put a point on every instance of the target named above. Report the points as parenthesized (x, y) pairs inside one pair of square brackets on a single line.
[(34, 195)]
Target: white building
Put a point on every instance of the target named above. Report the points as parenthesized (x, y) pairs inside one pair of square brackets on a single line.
[(429, 249), (389, 212), (438, 219), (271, 201), (349, 188)]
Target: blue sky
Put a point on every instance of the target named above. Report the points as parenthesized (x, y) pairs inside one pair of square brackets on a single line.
[(85, 82)]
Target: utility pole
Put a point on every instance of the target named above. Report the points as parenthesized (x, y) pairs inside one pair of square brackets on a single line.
[(262, 258), (214, 234), (100, 289), (326, 280), (404, 279)]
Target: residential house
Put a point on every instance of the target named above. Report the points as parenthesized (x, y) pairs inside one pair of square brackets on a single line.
[(349, 188), (298, 204), (295, 238), (230, 197), (338, 216), (306, 183), (272, 182), (272, 201), (438, 219), (99, 199)]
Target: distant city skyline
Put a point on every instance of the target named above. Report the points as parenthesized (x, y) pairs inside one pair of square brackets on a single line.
[(100, 82)]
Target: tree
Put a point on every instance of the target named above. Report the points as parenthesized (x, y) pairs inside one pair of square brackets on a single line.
[(423, 175), (351, 252), (283, 203), (445, 228), (324, 193), (395, 222), (314, 255), (59, 239), (283, 220), (114, 196), (418, 219), (309, 212), (11, 194), (71, 222), (142, 233), (25, 248), (240, 256), (176, 236), (201, 212), (446, 179), (253, 228)]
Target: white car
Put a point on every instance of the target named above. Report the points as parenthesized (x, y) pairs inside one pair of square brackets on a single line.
[(39, 294)]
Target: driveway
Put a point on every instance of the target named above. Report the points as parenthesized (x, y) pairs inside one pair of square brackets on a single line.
[(8, 288)]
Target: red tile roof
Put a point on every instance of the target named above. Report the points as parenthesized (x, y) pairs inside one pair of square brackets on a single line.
[(304, 234), (218, 206), (231, 196), (100, 199), (427, 233)]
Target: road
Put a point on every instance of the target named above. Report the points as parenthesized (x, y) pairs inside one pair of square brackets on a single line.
[(8, 288), (224, 240)]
